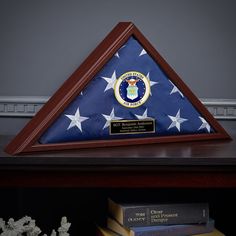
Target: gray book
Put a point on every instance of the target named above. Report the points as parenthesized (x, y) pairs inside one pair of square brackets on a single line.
[(131, 215)]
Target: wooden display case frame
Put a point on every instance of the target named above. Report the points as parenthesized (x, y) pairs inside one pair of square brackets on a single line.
[(27, 140)]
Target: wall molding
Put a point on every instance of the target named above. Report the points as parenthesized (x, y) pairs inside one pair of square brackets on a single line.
[(21, 106), (28, 106)]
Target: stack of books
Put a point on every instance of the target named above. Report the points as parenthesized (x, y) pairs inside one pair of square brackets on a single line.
[(172, 219)]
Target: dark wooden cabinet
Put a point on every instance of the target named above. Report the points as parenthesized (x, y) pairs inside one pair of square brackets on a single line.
[(77, 183)]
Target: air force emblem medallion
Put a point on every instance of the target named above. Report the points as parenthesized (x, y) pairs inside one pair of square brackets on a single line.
[(132, 89)]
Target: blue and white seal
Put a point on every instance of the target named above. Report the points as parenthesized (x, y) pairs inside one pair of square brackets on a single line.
[(132, 89)]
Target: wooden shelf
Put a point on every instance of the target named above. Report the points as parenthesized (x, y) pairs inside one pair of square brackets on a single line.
[(192, 164)]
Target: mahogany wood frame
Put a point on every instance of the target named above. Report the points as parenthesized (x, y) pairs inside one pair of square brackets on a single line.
[(26, 140)]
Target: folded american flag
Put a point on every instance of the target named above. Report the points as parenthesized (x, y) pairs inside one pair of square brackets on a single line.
[(130, 87)]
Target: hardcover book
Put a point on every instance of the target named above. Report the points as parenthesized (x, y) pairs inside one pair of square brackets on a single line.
[(106, 232), (161, 230), (100, 231), (131, 215), (215, 232)]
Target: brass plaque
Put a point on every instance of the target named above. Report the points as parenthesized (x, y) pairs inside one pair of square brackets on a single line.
[(132, 126)]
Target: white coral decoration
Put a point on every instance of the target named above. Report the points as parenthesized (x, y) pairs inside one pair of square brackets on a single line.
[(63, 229), (27, 227)]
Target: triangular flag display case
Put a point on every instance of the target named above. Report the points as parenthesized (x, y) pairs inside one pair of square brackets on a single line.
[(124, 93)]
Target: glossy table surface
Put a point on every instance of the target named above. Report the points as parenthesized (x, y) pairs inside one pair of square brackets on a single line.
[(190, 153), (189, 164)]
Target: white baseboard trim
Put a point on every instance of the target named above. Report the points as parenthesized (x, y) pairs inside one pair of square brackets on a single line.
[(28, 106)]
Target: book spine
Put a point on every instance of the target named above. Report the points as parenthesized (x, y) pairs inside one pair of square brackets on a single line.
[(165, 215), (177, 230)]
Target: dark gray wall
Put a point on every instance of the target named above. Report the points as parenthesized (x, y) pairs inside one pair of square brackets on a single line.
[(43, 42)]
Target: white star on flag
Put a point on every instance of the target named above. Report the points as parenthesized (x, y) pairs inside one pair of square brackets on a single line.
[(151, 82), (143, 52), (175, 90), (110, 81), (176, 121), (143, 116), (204, 124), (109, 118), (76, 120), (117, 53)]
